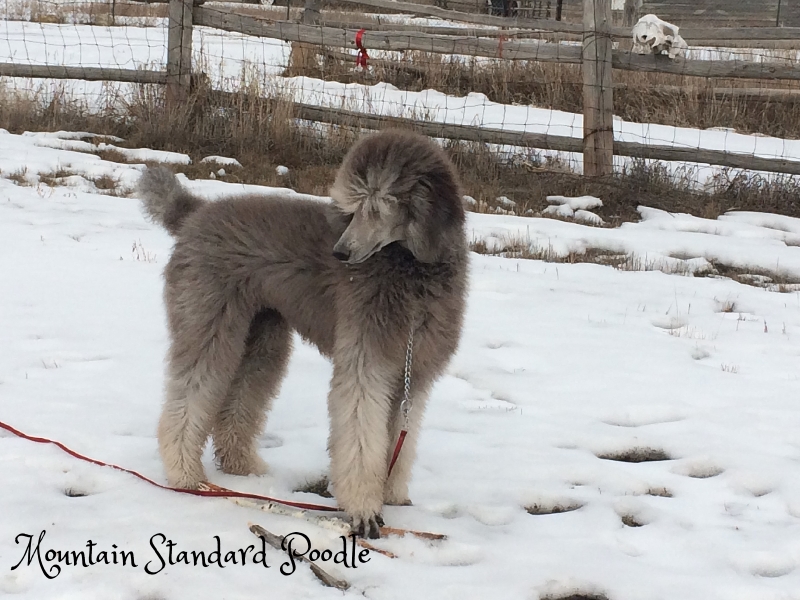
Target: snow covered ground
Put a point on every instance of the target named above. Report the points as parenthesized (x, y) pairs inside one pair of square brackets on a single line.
[(561, 368)]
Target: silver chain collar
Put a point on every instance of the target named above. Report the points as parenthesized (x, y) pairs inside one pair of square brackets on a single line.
[(405, 405)]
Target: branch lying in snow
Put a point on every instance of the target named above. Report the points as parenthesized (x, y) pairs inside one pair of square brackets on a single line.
[(365, 544), (419, 534), (330, 523), (276, 541), (326, 522)]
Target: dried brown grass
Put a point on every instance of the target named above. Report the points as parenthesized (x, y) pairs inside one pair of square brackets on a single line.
[(687, 101), (263, 133), (776, 280)]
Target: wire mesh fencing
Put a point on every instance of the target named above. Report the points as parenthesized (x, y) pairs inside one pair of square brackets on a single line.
[(729, 102)]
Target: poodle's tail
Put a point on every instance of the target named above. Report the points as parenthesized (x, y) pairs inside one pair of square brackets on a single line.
[(165, 201)]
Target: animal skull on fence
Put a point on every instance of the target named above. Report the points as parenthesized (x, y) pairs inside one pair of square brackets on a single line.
[(652, 35)]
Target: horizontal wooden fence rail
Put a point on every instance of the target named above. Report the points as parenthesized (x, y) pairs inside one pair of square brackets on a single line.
[(723, 34), (719, 93), (387, 40), (198, 2), (433, 30), (85, 73), (734, 69), (488, 135), (463, 17)]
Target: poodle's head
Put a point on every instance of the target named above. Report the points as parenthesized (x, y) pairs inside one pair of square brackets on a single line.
[(398, 186)]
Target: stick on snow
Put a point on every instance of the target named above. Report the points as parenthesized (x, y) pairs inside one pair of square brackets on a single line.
[(276, 541)]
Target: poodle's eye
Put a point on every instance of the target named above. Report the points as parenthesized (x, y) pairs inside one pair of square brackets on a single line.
[(426, 183)]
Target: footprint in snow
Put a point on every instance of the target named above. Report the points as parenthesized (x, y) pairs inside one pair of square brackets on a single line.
[(447, 510), (698, 469), (752, 484), (699, 353), (633, 512), (566, 589), (492, 516), (552, 507), (497, 344), (669, 322), (766, 564), (270, 440), (16, 583), (453, 554), (636, 454)]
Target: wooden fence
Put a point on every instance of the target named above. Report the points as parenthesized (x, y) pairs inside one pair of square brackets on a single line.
[(596, 56), (705, 13)]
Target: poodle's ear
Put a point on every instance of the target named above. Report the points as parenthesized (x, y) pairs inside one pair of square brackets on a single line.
[(423, 246), (436, 221)]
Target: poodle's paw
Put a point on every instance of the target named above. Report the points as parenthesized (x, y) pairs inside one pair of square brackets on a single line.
[(259, 466), (398, 501), (186, 481), (396, 494), (368, 526), (241, 464)]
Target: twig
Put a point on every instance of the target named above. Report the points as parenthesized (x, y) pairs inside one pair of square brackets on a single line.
[(330, 523), (365, 544), (336, 524), (425, 535), (276, 541)]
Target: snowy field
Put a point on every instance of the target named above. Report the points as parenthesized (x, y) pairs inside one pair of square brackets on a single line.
[(561, 368), (227, 58)]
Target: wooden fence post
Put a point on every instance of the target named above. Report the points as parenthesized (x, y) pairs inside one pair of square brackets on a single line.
[(311, 12), (631, 12), (179, 50), (598, 98), (303, 57)]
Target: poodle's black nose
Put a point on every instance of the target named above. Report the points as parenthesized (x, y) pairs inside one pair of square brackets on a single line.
[(342, 256)]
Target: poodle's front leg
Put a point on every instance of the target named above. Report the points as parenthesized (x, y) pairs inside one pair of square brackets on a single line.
[(359, 403), (396, 489)]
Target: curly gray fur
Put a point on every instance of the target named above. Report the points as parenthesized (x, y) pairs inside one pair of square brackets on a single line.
[(164, 200), (352, 277)]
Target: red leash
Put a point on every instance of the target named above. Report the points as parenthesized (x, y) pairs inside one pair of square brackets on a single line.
[(208, 493), (228, 494), (401, 438)]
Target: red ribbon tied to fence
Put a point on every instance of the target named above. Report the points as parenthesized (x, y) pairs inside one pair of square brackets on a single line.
[(361, 59), (500, 41)]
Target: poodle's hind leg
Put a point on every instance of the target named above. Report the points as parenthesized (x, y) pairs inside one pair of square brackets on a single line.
[(208, 342), (242, 415)]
